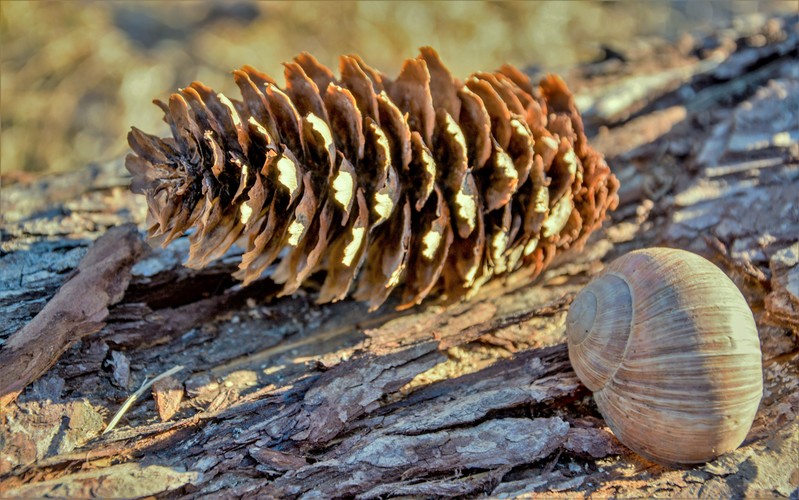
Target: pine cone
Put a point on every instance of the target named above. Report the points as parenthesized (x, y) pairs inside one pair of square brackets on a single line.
[(423, 182)]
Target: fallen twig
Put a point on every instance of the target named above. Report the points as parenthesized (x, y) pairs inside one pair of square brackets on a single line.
[(133, 397)]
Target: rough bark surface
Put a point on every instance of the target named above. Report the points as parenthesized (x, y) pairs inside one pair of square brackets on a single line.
[(282, 397)]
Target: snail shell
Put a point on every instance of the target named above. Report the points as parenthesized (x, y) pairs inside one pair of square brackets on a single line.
[(668, 345)]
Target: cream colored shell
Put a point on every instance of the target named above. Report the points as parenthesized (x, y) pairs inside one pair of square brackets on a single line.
[(669, 347)]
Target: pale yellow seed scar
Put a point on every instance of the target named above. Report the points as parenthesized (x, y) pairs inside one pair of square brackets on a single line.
[(288, 176), (550, 142), (233, 113), (541, 200), (260, 128), (505, 165), (429, 165), (455, 131), (430, 243), (343, 186), (394, 279), (322, 129), (471, 274), (382, 142), (246, 213), (571, 159), (352, 247), (295, 230), (467, 209), (245, 173), (498, 244), (530, 246), (558, 217), (383, 204), (519, 128)]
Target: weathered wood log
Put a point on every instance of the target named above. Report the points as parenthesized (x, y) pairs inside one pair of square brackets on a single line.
[(282, 397)]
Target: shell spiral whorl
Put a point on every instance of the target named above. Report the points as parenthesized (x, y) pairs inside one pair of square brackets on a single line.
[(669, 347), (598, 326)]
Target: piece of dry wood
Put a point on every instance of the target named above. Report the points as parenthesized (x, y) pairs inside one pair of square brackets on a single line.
[(168, 393), (77, 310), (117, 481)]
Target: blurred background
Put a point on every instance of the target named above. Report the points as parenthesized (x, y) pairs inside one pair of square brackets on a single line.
[(75, 75)]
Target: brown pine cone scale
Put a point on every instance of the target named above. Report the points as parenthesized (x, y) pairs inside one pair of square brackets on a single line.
[(422, 183)]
